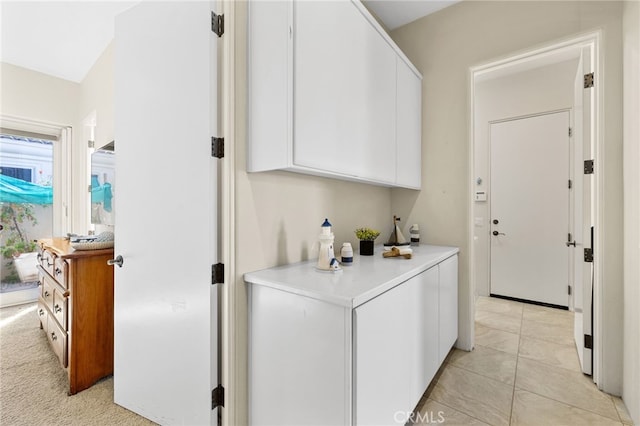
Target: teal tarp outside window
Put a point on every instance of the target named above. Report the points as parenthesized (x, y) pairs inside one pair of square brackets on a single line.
[(14, 190), (101, 193)]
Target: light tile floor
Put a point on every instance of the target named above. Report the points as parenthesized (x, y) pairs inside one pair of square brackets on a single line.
[(524, 370)]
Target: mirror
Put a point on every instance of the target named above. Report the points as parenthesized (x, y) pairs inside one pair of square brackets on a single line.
[(103, 184)]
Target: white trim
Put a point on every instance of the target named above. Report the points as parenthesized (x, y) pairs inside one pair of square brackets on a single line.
[(593, 39), (230, 367)]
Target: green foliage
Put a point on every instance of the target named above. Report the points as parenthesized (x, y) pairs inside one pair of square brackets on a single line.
[(14, 217), (367, 234)]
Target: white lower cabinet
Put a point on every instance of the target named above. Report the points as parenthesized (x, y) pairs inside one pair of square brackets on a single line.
[(358, 347), (396, 344)]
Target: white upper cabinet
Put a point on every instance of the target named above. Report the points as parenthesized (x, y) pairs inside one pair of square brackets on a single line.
[(408, 127), (330, 94)]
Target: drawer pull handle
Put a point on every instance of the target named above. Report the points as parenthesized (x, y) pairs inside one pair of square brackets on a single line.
[(53, 336), (39, 256), (41, 312), (57, 308), (49, 264), (117, 261), (58, 271), (46, 294)]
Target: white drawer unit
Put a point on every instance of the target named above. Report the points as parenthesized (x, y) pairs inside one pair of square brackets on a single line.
[(349, 348)]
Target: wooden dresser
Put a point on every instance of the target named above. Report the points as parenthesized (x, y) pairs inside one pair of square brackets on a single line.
[(76, 309)]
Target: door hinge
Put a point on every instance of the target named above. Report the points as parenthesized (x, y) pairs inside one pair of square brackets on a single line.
[(91, 144), (217, 397), (569, 290), (217, 273), (217, 147), (570, 184), (88, 188), (570, 132), (588, 167), (588, 341), (588, 80), (217, 23), (588, 255)]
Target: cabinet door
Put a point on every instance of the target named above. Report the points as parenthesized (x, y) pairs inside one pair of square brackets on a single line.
[(409, 127), (344, 92), (396, 340), (448, 305), (269, 85)]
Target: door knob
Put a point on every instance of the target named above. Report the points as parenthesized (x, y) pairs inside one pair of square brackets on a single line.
[(496, 233), (117, 261), (496, 221)]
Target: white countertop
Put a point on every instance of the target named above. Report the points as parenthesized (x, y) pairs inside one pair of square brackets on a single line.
[(368, 277)]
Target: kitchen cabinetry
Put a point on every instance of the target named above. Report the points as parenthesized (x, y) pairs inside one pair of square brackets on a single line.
[(330, 94), (353, 347), (75, 309)]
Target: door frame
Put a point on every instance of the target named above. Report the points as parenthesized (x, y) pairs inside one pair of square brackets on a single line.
[(544, 55), (228, 347)]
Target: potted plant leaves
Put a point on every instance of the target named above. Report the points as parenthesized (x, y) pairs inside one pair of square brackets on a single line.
[(366, 236)]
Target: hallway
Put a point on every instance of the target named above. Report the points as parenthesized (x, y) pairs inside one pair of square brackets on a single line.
[(524, 371)]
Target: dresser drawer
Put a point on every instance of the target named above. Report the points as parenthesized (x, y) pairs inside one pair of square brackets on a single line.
[(58, 340), (61, 271), (43, 313), (47, 261), (59, 310), (47, 291)]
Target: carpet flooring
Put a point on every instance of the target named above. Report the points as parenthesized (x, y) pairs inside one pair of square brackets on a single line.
[(33, 385)]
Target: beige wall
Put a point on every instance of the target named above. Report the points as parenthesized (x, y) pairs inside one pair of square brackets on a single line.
[(443, 46), (36, 96), (96, 97), (631, 71), (543, 89), (278, 215)]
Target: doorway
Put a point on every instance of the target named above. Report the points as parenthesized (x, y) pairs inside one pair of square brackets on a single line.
[(529, 159), (536, 64)]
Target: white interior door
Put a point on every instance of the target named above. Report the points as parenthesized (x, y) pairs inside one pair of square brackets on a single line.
[(582, 216), (530, 208), (165, 305)]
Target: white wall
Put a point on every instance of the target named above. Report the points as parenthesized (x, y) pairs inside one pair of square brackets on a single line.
[(631, 83), (444, 46), (539, 90)]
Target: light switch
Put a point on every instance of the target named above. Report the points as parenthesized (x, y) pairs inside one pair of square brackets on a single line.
[(481, 196)]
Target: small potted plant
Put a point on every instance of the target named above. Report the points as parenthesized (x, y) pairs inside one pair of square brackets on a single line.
[(366, 237)]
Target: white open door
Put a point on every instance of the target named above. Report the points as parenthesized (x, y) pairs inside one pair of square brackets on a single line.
[(583, 215), (165, 305)]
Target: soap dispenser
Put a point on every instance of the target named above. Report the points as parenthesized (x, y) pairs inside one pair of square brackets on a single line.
[(326, 258)]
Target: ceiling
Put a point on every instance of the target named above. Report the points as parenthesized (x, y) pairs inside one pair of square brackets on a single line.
[(65, 38)]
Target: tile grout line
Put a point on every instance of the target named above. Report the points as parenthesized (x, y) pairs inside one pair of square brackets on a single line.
[(515, 373), (458, 411)]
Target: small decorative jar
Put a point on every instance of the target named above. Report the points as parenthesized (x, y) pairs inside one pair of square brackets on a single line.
[(346, 254), (414, 233)]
